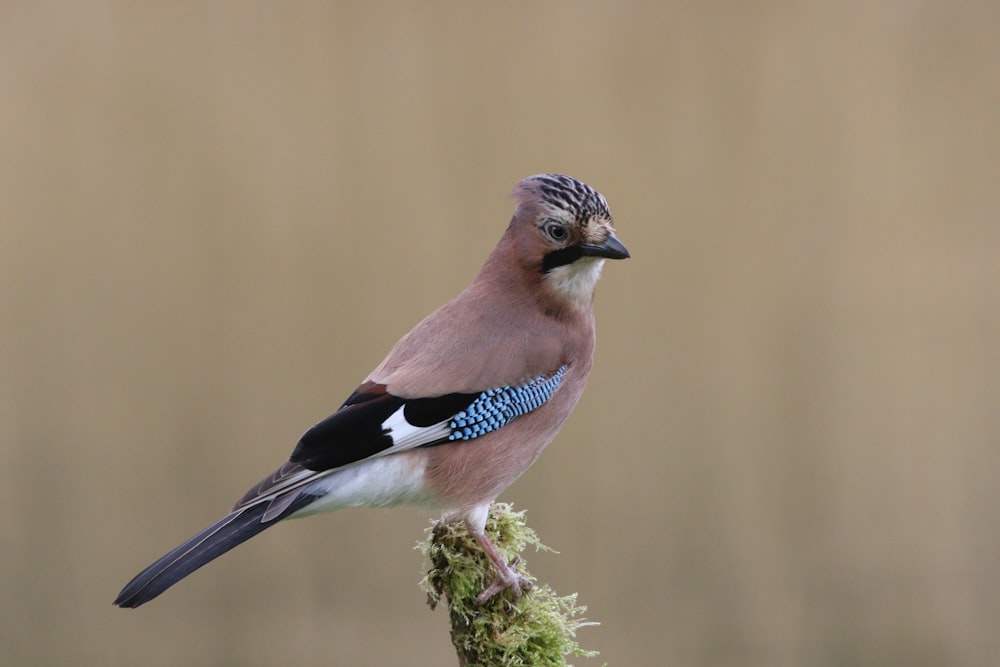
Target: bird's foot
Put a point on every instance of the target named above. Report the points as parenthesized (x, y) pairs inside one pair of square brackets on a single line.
[(507, 577)]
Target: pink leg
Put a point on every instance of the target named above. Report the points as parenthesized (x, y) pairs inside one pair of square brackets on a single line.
[(506, 577)]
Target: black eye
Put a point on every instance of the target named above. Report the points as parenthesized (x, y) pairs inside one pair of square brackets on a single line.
[(556, 231)]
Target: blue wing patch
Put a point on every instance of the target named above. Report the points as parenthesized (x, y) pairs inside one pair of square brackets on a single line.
[(493, 408)]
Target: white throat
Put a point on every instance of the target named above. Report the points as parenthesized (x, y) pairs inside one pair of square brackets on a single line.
[(575, 283)]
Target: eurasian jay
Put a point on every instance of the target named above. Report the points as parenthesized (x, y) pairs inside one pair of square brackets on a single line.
[(462, 405)]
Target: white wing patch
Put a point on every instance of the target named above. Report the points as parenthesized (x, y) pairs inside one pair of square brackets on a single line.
[(407, 436)]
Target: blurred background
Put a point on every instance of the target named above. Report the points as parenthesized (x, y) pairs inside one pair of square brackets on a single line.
[(216, 218)]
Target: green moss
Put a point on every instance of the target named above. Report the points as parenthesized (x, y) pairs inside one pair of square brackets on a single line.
[(539, 629)]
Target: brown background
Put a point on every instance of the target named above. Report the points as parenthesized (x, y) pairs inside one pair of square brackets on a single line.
[(215, 218)]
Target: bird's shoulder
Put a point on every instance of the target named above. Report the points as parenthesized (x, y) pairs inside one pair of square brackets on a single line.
[(474, 343)]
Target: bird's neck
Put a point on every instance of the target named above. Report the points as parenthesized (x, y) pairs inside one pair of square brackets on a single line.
[(571, 287), (564, 293)]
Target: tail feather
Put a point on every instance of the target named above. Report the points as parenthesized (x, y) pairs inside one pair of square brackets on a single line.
[(226, 533)]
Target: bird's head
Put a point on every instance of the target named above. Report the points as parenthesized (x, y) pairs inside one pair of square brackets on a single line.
[(563, 231)]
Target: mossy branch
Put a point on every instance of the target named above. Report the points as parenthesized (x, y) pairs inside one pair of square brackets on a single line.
[(539, 629)]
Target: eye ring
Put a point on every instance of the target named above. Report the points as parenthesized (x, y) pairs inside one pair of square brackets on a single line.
[(556, 231)]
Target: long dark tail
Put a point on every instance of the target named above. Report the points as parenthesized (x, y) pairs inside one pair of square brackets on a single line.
[(228, 532)]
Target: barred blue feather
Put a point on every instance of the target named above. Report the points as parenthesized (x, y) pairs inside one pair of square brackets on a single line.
[(493, 408)]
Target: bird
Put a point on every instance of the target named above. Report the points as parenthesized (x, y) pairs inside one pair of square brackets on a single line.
[(461, 406)]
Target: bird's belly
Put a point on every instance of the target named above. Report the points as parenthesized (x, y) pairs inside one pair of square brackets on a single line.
[(379, 482), (468, 473)]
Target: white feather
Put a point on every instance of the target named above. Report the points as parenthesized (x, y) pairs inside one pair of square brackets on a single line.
[(576, 282), (407, 436), (377, 482)]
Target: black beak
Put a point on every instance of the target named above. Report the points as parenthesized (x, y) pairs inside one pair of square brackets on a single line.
[(612, 248)]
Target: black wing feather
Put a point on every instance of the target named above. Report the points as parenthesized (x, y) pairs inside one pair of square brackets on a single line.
[(430, 411), (355, 432), (352, 433)]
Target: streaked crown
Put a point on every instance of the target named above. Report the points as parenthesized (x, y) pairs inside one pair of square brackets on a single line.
[(565, 197)]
